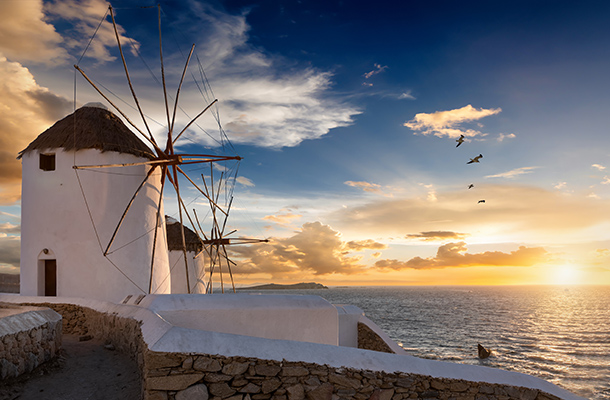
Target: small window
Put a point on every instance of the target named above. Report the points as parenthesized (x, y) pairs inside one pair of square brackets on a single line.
[(47, 162)]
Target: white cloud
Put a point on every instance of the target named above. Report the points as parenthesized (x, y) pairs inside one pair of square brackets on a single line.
[(606, 180), (85, 15), (367, 187), (598, 167), (560, 185), (244, 181), (27, 33), (502, 136), (513, 173), (406, 95), (9, 228), (25, 36), (431, 197), (447, 123), (284, 218), (378, 69), (264, 101)]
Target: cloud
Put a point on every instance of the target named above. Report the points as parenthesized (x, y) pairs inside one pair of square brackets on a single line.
[(9, 228), (560, 185), (284, 219), (359, 245), (436, 235), (518, 213), (406, 95), (378, 69), (452, 255), (598, 167), (29, 109), (431, 192), (602, 253), (447, 123), (315, 249), (25, 36), (606, 180), (266, 100), (85, 16), (366, 186), (513, 173), (502, 136), (244, 181)]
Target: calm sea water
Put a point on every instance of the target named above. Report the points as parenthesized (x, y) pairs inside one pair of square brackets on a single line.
[(560, 334)]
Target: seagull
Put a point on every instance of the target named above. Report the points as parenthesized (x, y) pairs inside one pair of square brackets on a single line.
[(481, 201), (476, 159), (460, 140), (470, 186)]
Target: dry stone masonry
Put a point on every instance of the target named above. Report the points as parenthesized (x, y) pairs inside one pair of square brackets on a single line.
[(369, 340), (29, 336), (170, 376)]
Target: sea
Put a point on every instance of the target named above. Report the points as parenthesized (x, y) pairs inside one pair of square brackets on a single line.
[(558, 333)]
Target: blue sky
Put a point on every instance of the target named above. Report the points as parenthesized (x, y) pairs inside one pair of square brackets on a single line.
[(347, 115)]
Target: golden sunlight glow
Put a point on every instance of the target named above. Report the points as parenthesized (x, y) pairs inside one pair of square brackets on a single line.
[(565, 274)]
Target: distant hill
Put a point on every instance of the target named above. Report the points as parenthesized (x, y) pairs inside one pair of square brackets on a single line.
[(9, 283), (297, 286)]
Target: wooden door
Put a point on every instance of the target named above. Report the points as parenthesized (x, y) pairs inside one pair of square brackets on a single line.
[(50, 277)]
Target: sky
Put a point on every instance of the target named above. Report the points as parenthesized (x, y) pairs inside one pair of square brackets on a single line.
[(346, 115)]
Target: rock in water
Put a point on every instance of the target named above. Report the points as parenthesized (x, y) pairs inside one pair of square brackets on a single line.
[(483, 352)]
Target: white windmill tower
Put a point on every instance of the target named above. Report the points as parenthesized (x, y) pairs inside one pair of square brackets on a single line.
[(119, 183), (68, 219)]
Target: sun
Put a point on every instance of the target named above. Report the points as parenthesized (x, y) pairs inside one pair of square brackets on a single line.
[(565, 274)]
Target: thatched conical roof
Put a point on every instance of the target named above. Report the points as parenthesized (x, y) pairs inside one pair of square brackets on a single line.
[(90, 128), (174, 237)]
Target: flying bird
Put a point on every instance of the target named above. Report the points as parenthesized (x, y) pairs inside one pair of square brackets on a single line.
[(481, 201), (476, 159), (460, 140), (470, 186)]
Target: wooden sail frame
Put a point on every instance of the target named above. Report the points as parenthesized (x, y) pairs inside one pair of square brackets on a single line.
[(169, 163)]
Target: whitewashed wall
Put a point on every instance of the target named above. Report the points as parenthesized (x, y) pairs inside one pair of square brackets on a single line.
[(286, 317), (196, 268), (55, 217)]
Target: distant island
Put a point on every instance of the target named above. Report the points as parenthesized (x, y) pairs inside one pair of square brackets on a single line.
[(296, 286)]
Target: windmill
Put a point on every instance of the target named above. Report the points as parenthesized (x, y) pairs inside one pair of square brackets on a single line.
[(171, 165)]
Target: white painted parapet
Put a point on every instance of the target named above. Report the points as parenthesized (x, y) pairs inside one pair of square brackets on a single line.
[(285, 317), (349, 316)]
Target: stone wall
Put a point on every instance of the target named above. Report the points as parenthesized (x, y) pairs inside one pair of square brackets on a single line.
[(182, 376), (170, 376), (123, 333), (32, 342), (369, 340)]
